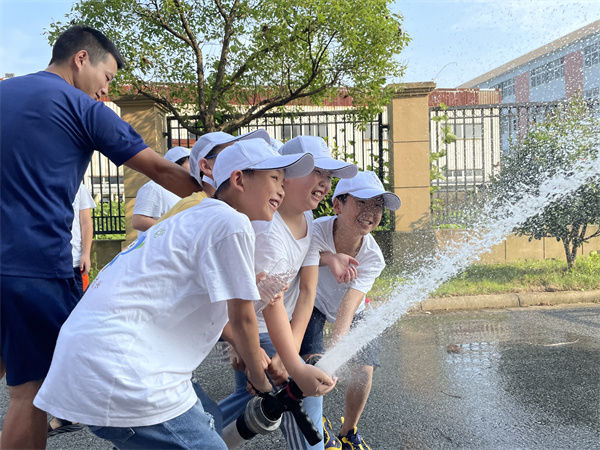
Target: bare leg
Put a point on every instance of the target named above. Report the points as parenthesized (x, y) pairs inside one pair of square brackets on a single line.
[(24, 425), (357, 394)]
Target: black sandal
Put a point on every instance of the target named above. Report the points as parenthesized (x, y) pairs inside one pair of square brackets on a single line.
[(65, 427)]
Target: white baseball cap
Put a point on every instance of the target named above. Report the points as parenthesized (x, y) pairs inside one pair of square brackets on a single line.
[(176, 153), (367, 185), (256, 154), (317, 147), (208, 141)]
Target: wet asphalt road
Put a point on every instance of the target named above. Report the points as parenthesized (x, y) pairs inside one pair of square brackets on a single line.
[(526, 378)]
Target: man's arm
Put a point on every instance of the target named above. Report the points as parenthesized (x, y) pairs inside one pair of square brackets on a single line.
[(166, 173), (87, 235)]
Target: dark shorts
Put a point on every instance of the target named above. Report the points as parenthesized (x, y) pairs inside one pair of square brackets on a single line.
[(313, 340), (32, 310), (78, 281)]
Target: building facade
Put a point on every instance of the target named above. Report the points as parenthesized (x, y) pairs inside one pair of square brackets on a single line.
[(558, 70)]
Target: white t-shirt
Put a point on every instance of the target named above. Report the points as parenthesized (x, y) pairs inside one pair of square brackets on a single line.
[(329, 292), (153, 200), (125, 355), (83, 200), (274, 242)]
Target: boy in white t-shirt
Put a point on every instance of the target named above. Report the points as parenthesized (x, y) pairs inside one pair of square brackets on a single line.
[(82, 234), (152, 200), (287, 237), (128, 349), (202, 160), (358, 203)]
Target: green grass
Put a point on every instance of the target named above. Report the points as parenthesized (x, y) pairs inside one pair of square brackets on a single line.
[(523, 276)]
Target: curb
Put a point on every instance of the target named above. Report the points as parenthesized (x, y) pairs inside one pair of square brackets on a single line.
[(513, 300)]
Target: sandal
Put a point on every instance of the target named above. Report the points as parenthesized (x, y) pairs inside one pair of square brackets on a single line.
[(65, 427)]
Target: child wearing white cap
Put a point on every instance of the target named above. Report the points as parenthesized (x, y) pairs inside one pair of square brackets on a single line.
[(150, 317), (281, 325), (358, 203), (202, 160), (152, 200)]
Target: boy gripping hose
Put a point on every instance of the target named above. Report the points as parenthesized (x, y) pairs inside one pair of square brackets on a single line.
[(128, 350), (287, 238), (202, 160), (358, 203)]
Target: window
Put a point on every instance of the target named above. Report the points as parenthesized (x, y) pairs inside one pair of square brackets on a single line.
[(548, 72), (591, 55), (316, 129), (507, 88), (291, 131), (592, 94), (468, 131), (372, 132)]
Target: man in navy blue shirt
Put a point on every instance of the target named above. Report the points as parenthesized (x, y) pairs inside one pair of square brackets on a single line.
[(51, 122)]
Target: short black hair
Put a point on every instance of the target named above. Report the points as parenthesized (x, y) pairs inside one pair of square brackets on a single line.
[(342, 198), (80, 37), (180, 161), (225, 184)]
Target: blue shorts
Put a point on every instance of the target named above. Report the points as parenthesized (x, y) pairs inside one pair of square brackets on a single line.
[(78, 281), (313, 340), (194, 429), (32, 311)]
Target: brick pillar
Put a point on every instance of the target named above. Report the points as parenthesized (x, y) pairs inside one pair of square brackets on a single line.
[(409, 159), (149, 120)]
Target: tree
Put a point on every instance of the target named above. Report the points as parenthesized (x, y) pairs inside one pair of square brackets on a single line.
[(208, 57), (570, 133)]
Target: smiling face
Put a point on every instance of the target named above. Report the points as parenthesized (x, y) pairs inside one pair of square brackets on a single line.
[(94, 79), (305, 193), (357, 215), (263, 193)]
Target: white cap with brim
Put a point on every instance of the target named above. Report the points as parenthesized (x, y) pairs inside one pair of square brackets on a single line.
[(256, 154), (317, 147), (207, 142), (176, 153), (367, 185)]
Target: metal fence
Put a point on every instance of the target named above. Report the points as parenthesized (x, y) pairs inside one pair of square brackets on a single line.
[(105, 182), (483, 133), (364, 145)]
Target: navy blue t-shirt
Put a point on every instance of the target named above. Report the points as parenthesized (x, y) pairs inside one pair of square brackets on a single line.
[(48, 131)]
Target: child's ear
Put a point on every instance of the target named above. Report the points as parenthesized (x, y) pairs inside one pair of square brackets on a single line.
[(205, 167), (337, 206), (236, 180)]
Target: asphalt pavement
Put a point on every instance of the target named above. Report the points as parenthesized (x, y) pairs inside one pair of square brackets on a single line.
[(510, 378)]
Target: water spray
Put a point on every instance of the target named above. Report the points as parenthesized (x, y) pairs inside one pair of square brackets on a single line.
[(457, 258), (263, 416)]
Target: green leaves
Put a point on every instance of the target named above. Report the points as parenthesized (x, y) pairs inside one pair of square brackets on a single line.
[(260, 54), (569, 133)]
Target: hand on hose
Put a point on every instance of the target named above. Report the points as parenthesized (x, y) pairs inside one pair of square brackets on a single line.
[(313, 381), (277, 371)]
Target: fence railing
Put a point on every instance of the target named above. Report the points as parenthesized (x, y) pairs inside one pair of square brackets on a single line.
[(483, 133), (366, 145)]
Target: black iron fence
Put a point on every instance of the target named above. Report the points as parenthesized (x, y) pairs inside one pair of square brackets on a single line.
[(105, 182), (483, 133), (365, 145)]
